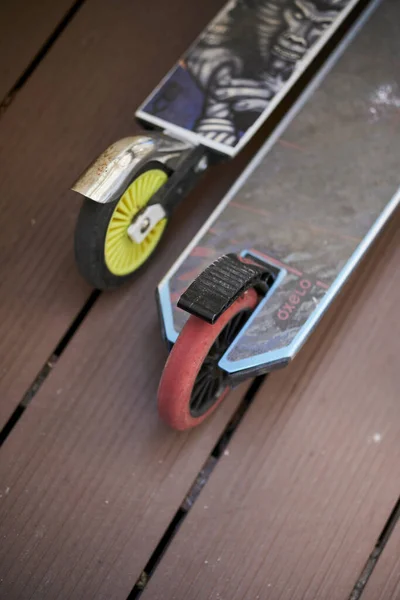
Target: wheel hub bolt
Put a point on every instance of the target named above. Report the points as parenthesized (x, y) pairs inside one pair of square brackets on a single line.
[(145, 225)]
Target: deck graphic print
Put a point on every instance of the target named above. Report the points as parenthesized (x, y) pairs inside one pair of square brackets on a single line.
[(243, 59), (311, 204)]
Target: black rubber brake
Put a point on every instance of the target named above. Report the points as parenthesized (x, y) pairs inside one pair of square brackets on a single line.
[(220, 284)]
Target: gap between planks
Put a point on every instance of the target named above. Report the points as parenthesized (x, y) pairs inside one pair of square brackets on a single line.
[(50, 363), (39, 56), (376, 553), (220, 448), (201, 480)]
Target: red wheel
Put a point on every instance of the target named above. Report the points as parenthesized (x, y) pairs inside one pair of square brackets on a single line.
[(192, 384)]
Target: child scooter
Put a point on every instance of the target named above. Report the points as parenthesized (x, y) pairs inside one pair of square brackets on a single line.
[(206, 109), (281, 245)]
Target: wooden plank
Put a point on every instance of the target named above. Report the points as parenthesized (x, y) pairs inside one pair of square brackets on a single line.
[(90, 477), (24, 28), (80, 99), (384, 583), (312, 472)]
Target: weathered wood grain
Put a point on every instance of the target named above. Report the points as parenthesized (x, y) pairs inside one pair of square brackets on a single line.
[(81, 98), (24, 27), (90, 477), (312, 472)]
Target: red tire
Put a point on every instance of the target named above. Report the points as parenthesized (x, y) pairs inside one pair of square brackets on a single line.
[(192, 385)]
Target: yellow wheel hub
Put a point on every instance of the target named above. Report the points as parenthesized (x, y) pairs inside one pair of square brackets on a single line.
[(122, 254)]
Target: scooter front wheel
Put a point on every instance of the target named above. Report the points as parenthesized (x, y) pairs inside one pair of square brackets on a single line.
[(105, 254), (192, 384)]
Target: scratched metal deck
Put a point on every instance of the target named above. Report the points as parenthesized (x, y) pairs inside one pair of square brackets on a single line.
[(311, 204)]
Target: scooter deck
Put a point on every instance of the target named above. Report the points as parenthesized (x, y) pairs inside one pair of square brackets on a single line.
[(310, 204), (239, 69)]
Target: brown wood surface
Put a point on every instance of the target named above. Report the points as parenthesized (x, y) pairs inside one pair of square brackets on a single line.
[(81, 98), (312, 474), (90, 477), (384, 583), (24, 27)]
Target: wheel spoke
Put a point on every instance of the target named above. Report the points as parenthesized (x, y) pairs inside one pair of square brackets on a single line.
[(202, 374), (202, 398), (221, 377), (236, 324), (122, 255), (209, 360), (200, 385), (197, 395), (230, 327), (217, 346), (226, 334), (211, 379)]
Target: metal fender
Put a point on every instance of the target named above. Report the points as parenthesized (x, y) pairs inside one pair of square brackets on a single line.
[(111, 173)]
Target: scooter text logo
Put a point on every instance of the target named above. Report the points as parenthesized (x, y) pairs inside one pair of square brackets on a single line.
[(295, 300)]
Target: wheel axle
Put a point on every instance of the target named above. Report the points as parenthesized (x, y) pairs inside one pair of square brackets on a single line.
[(145, 222)]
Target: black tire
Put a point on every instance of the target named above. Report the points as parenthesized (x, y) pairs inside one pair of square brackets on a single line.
[(90, 235)]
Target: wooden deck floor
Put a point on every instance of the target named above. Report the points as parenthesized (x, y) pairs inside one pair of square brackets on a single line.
[(299, 473)]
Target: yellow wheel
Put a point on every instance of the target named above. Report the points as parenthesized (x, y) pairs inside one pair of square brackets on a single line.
[(122, 254), (105, 254)]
